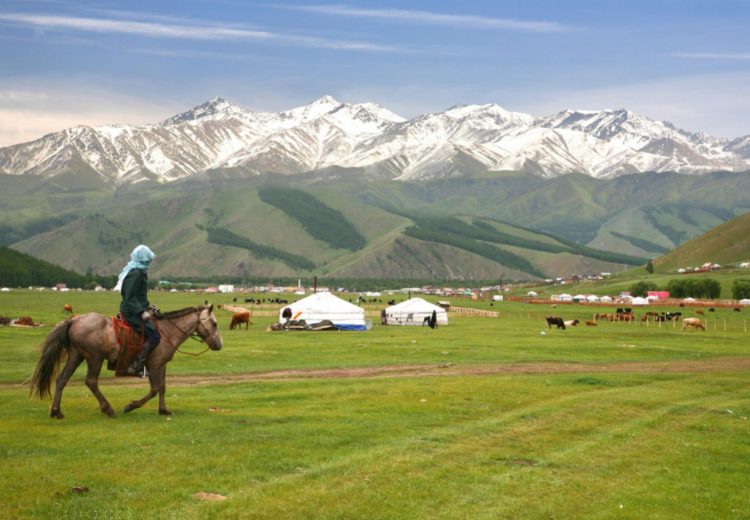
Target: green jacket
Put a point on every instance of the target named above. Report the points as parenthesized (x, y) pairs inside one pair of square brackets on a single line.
[(134, 299)]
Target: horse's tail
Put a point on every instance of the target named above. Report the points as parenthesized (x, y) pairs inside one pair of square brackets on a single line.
[(55, 348)]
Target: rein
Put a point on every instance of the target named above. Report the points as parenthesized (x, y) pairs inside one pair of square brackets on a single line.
[(193, 335)]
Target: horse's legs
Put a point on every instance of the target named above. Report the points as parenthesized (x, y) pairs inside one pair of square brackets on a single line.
[(163, 410), (92, 381), (153, 377), (74, 359)]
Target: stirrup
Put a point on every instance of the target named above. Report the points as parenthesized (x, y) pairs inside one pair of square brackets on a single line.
[(137, 373)]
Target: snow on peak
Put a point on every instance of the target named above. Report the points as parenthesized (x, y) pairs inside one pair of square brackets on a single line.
[(215, 108), (327, 132)]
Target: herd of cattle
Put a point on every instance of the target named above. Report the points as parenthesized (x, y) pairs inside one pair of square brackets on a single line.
[(626, 314)]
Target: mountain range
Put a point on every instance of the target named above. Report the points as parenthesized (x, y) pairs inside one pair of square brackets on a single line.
[(219, 137)]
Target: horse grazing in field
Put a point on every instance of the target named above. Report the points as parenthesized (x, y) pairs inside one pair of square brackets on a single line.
[(92, 337), (554, 320), (68, 308), (692, 323), (239, 318)]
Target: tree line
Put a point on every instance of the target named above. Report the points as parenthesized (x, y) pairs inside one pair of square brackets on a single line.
[(693, 288), (21, 270)]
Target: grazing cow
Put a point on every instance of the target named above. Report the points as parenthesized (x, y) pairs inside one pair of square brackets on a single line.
[(239, 318), (603, 317), (571, 323), (68, 308), (736, 309), (699, 311), (591, 323), (554, 320), (711, 310), (692, 323)]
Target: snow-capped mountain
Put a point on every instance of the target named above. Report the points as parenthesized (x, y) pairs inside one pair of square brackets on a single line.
[(219, 134)]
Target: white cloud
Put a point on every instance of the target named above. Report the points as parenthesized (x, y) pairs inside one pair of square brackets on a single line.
[(26, 115), (432, 18), (732, 56), (185, 31)]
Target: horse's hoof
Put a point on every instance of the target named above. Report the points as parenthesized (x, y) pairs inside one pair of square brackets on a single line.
[(129, 407), (56, 414), (109, 412), (165, 411)]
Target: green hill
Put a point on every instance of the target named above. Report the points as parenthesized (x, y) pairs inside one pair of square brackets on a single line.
[(726, 244), (333, 223), (22, 270)]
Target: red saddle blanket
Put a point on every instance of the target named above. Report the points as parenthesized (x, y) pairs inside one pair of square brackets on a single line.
[(131, 343)]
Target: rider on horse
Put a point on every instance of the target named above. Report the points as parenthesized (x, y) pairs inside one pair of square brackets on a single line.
[(135, 308)]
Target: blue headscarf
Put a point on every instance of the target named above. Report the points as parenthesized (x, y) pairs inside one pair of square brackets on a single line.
[(140, 258)]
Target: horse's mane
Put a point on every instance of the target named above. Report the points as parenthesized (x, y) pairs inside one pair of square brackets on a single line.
[(178, 313)]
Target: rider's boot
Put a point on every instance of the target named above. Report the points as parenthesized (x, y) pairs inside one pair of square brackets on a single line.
[(137, 367)]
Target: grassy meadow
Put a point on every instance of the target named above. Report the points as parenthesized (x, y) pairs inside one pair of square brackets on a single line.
[(452, 442)]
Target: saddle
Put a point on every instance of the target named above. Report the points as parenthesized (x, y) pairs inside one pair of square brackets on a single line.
[(131, 344)]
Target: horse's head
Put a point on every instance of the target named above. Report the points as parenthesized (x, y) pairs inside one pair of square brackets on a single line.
[(208, 327)]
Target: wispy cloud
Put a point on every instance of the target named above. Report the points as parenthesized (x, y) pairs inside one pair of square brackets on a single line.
[(431, 18), (184, 31), (732, 56)]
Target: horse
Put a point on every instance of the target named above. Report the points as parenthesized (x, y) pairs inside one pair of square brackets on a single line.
[(692, 322), (91, 337), (68, 308), (238, 319)]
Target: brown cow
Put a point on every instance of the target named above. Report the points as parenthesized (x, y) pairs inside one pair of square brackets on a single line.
[(591, 323), (239, 318), (68, 308)]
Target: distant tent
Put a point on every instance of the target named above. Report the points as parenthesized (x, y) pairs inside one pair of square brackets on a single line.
[(745, 301), (639, 301), (414, 312), (532, 294), (606, 299), (326, 306), (593, 298)]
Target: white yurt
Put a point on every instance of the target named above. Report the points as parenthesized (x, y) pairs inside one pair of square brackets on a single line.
[(413, 312), (605, 299), (326, 306), (745, 301), (639, 301)]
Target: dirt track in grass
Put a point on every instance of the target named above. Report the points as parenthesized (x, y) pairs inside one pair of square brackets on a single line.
[(448, 369)]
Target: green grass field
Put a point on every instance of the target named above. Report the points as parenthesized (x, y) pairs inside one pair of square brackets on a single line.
[(614, 421)]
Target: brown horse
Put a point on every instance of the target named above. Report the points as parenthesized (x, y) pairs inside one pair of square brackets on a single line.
[(68, 308), (238, 319), (92, 337)]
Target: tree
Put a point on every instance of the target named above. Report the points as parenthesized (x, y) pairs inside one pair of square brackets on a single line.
[(741, 289), (642, 288), (650, 267)]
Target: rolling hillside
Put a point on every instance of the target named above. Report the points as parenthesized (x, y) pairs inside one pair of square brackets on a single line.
[(726, 244), (334, 223)]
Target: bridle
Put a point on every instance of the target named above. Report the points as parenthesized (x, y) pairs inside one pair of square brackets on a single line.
[(195, 335)]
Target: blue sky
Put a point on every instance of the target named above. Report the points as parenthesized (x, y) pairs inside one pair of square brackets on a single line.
[(78, 62)]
